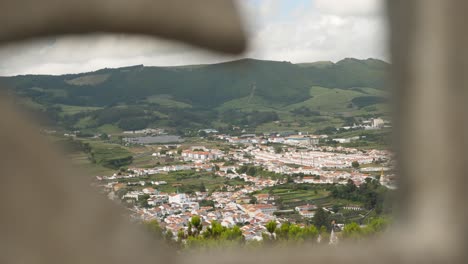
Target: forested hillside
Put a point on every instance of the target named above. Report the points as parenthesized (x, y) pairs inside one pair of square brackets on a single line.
[(266, 95)]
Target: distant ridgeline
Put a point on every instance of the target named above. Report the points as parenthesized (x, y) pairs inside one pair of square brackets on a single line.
[(245, 92)]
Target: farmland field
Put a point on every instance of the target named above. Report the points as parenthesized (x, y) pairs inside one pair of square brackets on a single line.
[(191, 181)]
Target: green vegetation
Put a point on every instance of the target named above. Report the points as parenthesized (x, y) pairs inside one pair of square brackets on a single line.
[(257, 95), (73, 109), (214, 236), (91, 79), (370, 196), (110, 156), (257, 171), (290, 233), (363, 101), (190, 181), (370, 193), (368, 139), (287, 196), (217, 236), (166, 101), (355, 232), (355, 164), (321, 219)]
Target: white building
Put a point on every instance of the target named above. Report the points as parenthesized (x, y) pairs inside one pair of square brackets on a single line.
[(308, 214), (179, 198), (378, 122)]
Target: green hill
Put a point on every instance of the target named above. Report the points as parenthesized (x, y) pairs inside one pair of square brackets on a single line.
[(250, 93)]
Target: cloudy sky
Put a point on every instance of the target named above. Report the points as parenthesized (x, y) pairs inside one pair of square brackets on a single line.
[(285, 30)]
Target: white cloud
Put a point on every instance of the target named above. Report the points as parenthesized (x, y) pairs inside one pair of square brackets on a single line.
[(349, 8), (322, 30), (297, 31)]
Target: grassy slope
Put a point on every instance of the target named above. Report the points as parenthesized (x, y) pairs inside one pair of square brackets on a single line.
[(83, 163), (29, 103), (328, 99), (210, 181), (167, 101), (74, 109), (279, 86), (248, 104), (330, 102)]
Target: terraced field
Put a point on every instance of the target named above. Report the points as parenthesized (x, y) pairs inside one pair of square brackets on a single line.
[(292, 196), (83, 164), (73, 109), (187, 181)]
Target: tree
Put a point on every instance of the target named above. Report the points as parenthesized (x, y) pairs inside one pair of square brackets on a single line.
[(202, 133), (271, 227), (143, 200), (180, 235), (232, 234), (197, 223), (335, 208), (278, 149), (321, 218), (214, 231), (350, 187), (295, 233), (376, 225), (202, 187), (352, 231), (251, 171), (104, 136), (189, 229), (169, 236), (154, 228), (282, 233), (355, 164), (310, 233)]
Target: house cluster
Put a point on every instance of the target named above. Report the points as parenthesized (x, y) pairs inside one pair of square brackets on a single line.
[(138, 172), (346, 140), (315, 159), (146, 131), (202, 154), (307, 210), (370, 124), (231, 207), (287, 138), (334, 177), (298, 157), (198, 166), (174, 211), (257, 181)]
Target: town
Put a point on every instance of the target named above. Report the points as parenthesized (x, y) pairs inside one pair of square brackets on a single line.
[(250, 180)]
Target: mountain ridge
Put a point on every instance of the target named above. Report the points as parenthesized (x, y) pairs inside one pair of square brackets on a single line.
[(256, 89), (190, 65)]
